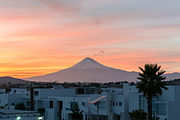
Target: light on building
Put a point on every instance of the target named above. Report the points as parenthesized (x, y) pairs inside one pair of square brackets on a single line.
[(18, 118), (40, 118)]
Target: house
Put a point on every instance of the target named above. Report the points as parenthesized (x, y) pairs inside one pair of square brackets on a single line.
[(95, 105)]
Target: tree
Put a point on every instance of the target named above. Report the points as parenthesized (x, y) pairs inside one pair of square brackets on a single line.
[(1, 107), (41, 111), (151, 84), (138, 115), (20, 106), (77, 114)]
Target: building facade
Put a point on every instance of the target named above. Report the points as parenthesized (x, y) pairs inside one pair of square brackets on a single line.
[(165, 107)]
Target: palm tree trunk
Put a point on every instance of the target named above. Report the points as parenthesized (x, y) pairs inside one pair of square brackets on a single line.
[(149, 102)]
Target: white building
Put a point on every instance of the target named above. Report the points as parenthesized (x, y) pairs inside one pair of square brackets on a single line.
[(166, 106), (19, 115), (96, 104), (16, 96), (103, 106)]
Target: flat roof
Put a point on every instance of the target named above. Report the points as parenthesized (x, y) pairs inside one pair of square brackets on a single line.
[(4, 111)]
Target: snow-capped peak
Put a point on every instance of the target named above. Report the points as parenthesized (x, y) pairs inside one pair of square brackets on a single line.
[(88, 63)]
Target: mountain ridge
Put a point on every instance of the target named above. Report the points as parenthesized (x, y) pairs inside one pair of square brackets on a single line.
[(11, 80), (89, 70)]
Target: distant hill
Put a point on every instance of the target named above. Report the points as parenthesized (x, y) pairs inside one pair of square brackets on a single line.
[(174, 82), (89, 70), (10, 80), (172, 76)]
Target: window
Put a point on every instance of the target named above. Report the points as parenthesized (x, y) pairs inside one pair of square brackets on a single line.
[(60, 105), (28, 103), (50, 104), (159, 108), (162, 108), (36, 93), (83, 103), (102, 104), (142, 103), (120, 103), (113, 104), (116, 104)]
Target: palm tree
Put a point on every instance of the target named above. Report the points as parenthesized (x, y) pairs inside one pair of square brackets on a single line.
[(151, 83)]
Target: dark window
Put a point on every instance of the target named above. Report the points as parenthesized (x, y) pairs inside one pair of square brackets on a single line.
[(80, 91), (36, 93), (120, 103), (118, 117), (83, 103), (50, 104), (116, 104), (28, 103), (60, 105), (113, 104)]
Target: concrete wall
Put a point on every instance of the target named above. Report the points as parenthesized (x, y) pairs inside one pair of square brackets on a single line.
[(4, 99), (133, 101), (117, 108), (43, 93), (174, 106), (8, 99)]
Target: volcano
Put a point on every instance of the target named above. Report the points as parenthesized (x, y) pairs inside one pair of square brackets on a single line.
[(89, 70)]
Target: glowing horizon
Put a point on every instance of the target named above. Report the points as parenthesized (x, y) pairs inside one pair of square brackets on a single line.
[(38, 37)]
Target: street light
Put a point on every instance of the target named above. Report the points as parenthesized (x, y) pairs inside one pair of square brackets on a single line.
[(18, 118), (40, 118)]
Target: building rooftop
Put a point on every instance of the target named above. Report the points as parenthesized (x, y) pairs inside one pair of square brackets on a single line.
[(4, 111)]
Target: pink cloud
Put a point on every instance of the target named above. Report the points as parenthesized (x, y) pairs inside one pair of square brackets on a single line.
[(35, 37), (63, 5)]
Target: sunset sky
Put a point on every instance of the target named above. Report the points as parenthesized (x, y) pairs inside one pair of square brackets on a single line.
[(43, 36)]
